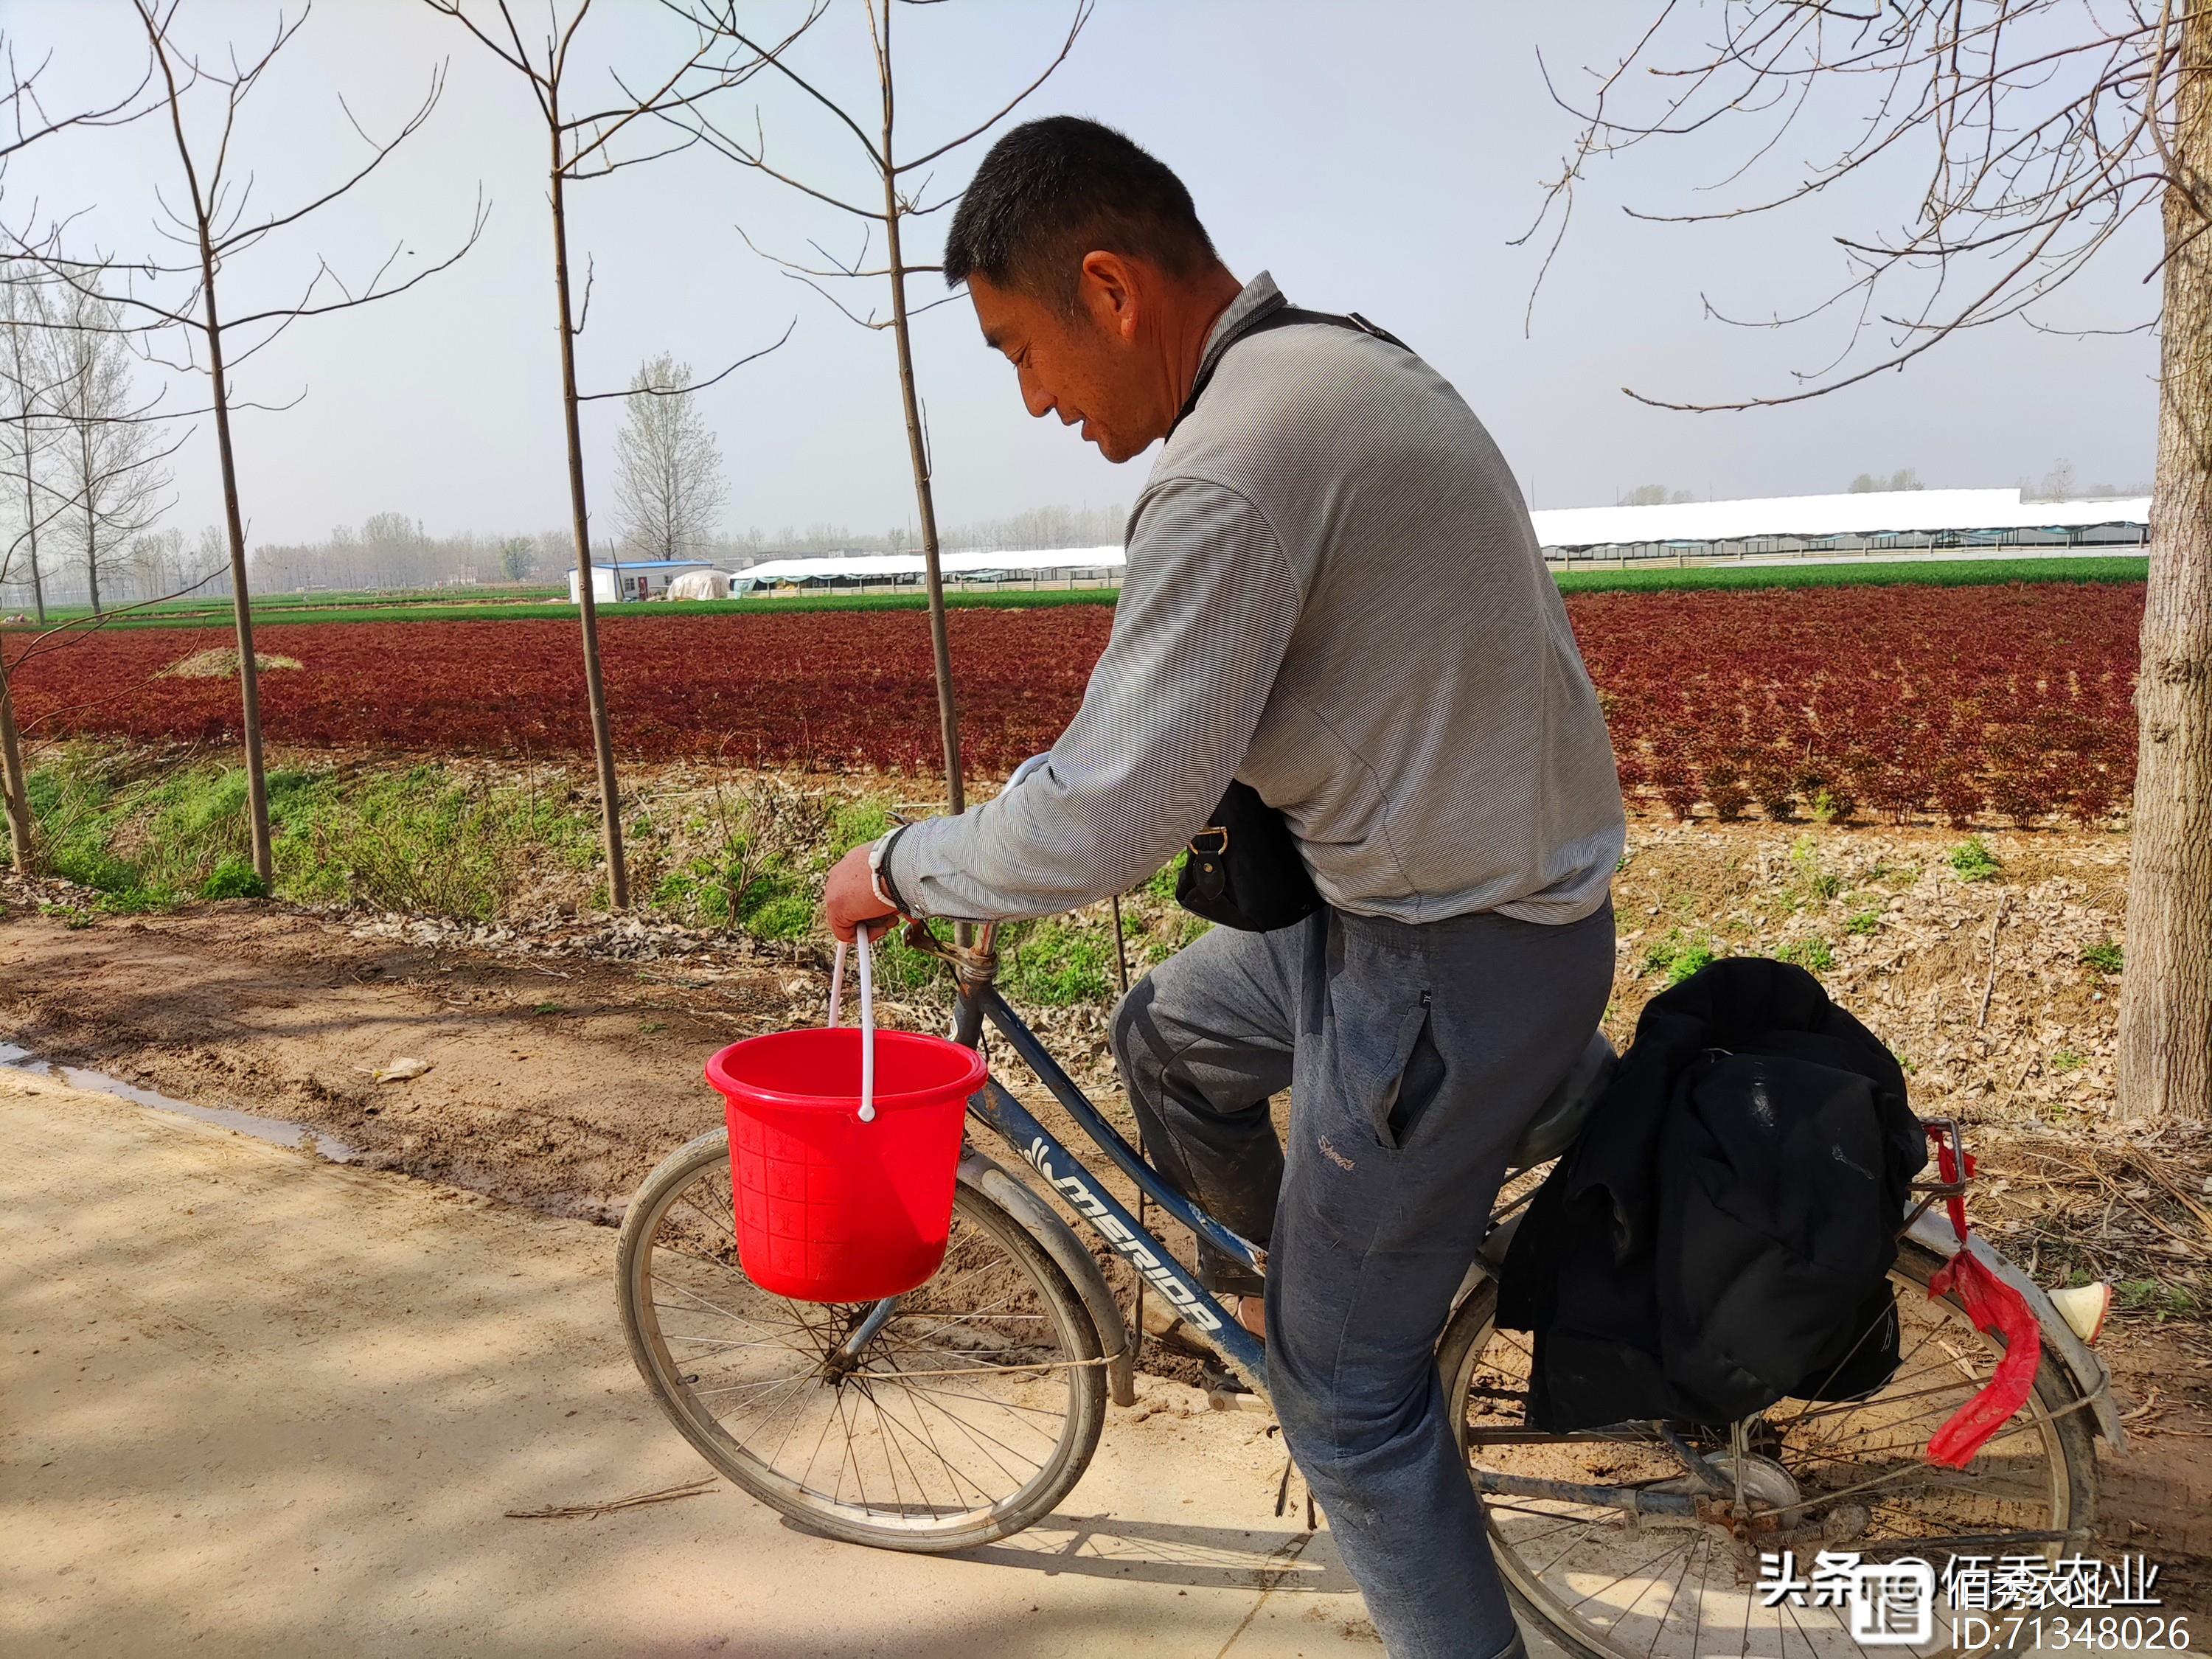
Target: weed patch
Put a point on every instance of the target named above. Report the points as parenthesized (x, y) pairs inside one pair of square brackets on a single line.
[(1811, 954), (1678, 956), (148, 833), (234, 878), (1972, 861)]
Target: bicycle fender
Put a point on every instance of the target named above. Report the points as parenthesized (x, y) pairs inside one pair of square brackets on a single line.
[(1057, 1240), (1932, 1230)]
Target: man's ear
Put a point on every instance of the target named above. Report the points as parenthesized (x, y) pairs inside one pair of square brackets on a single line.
[(1110, 290)]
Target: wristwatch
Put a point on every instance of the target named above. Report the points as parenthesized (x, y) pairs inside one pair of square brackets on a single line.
[(880, 875)]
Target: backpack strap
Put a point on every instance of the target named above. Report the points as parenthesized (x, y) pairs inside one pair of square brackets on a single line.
[(1280, 313)]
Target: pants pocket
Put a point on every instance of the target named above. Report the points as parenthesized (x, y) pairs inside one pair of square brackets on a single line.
[(1418, 1074), (1386, 1086)]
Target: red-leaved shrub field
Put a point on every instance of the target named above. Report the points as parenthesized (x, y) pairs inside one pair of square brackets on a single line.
[(1871, 701)]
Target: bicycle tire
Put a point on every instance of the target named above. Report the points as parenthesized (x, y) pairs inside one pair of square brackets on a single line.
[(2054, 1410), (985, 1221)]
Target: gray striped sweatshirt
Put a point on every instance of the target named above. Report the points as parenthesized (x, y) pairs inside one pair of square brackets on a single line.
[(1332, 593)]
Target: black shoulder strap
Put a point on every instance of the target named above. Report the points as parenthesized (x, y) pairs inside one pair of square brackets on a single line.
[(1279, 314)]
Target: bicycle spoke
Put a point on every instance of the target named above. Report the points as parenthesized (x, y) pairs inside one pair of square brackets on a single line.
[(930, 1427), (1634, 1571), (1659, 1628), (1681, 1594), (976, 1436), (1003, 1405), (742, 1319), (895, 1452), (919, 1432)]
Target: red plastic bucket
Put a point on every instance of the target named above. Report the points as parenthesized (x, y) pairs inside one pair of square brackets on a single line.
[(832, 1207)]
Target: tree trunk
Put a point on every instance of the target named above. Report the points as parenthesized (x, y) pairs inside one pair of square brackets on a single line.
[(17, 799), (30, 478), (91, 516), (602, 749), (2166, 988), (241, 610), (948, 711), (38, 584)]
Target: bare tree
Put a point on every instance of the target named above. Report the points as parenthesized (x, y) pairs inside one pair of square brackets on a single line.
[(581, 147), (216, 225), (25, 439), (2039, 130), (39, 509), (24, 120), (108, 454), (905, 185), (396, 546), (669, 485), (157, 563), (13, 657)]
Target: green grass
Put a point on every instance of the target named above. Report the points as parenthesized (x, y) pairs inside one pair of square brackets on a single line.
[(199, 609), (1945, 573), (1860, 923), (2105, 956), (1678, 956), (420, 839), (1810, 954), (2160, 1298), (1804, 862), (147, 830), (283, 612), (234, 878), (1973, 860), (460, 605), (1053, 964)]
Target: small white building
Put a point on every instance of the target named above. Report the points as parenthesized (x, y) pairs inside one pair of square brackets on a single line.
[(639, 578)]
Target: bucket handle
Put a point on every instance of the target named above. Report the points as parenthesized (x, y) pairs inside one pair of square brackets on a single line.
[(867, 1018)]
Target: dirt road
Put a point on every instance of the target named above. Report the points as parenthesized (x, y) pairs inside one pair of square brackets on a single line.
[(268, 1405), (557, 1080)]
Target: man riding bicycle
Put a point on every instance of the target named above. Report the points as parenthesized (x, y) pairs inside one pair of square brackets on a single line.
[(1332, 595)]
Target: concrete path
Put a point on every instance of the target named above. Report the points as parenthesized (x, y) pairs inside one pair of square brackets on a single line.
[(255, 1403)]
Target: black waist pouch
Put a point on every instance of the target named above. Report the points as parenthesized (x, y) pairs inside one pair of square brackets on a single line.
[(1244, 869)]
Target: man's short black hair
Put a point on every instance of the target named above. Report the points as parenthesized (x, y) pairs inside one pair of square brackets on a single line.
[(1051, 192)]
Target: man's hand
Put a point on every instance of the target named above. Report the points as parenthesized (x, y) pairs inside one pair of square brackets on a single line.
[(850, 898)]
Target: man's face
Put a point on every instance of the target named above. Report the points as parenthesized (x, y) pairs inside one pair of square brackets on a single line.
[(1086, 369)]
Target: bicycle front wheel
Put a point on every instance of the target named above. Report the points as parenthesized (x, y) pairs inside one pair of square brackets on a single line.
[(969, 1413), (1849, 1476)]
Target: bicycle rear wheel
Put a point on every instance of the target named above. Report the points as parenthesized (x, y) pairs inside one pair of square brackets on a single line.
[(968, 1415), (1839, 1475)]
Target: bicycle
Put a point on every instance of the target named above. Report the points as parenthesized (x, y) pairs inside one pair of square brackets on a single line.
[(967, 1410)]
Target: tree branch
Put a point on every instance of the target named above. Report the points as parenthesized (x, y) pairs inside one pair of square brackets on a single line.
[(697, 386)]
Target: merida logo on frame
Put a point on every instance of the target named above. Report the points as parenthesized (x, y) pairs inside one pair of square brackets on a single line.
[(1194, 1306)]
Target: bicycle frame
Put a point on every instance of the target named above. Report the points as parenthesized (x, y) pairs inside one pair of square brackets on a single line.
[(980, 1005), (996, 1109)]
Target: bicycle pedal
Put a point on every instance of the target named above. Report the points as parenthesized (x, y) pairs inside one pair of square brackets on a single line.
[(1227, 1392)]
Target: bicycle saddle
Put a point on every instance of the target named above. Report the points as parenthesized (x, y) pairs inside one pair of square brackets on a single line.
[(1566, 1109)]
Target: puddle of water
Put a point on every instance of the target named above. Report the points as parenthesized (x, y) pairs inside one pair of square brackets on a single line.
[(282, 1132)]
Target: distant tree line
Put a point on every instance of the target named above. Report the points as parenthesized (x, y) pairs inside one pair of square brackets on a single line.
[(394, 550)]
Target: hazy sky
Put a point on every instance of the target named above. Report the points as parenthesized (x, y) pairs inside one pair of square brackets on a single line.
[(1377, 157)]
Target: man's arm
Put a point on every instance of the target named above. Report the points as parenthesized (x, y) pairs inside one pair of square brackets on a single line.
[(1208, 602)]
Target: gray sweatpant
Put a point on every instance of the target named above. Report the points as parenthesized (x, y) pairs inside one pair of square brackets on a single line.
[(1415, 1055)]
